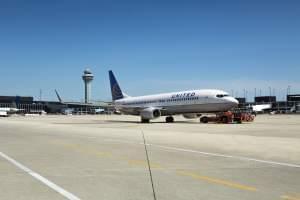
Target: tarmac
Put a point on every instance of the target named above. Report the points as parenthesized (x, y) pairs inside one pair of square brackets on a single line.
[(104, 157)]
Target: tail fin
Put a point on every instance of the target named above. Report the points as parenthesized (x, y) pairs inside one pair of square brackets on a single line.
[(116, 91), (17, 101), (59, 99)]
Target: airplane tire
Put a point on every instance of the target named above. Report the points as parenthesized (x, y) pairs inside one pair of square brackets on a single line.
[(204, 120), (145, 121), (169, 119), (237, 120), (224, 120)]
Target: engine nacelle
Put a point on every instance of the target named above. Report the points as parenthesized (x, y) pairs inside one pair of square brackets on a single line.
[(150, 113), (191, 115)]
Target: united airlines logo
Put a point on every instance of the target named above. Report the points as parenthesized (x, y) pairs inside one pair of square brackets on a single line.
[(116, 91), (183, 95)]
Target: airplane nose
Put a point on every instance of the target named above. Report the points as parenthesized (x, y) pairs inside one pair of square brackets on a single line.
[(235, 101)]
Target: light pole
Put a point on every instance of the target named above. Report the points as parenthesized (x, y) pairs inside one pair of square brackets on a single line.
[(260, 92), (287, 94), (254, 94), (270, 90)]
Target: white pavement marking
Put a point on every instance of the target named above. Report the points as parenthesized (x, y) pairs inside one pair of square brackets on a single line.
[(213, 154), (228, 156), (50, 184)]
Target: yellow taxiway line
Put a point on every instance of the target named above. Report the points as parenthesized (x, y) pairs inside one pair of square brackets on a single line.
[(286, 197), (216, 181), (143, 163)]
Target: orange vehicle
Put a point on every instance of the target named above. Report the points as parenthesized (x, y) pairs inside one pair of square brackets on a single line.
[(228, 117)]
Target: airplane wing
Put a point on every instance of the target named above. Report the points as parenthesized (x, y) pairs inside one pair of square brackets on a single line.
[(102, 104)]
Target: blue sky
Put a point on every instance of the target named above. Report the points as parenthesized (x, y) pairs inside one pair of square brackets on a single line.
[(152, 46)]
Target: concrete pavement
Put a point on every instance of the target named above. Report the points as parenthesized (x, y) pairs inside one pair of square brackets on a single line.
[(103, 157)]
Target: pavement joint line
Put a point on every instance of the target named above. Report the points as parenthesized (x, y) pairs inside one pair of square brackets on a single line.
[(181, 172), (214, 154), (40, 178), (144, 163), (216, 181)]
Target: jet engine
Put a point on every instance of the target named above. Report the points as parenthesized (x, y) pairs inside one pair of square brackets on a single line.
[(150, 113), (191, 115)]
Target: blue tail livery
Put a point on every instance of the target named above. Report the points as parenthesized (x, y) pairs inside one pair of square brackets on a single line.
[(116, 91)]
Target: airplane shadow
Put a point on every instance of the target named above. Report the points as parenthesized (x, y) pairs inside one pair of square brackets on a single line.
[(137, 122)]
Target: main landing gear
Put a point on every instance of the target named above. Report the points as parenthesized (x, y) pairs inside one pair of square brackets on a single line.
[(169, 119), (144, 121)]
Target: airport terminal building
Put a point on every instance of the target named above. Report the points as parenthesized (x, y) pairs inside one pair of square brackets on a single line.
[(27, 104), (291, 105)]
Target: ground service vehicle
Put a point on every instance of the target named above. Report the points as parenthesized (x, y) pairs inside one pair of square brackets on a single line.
[(228, 117)]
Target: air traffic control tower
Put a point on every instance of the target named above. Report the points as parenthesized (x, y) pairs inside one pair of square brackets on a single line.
[(87, 78)]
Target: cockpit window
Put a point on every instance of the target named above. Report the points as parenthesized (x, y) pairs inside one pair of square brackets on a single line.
[(222, 95)]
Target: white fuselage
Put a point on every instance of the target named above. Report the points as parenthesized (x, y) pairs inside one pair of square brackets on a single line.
[(261, 108), (8, 109), (193, 101)]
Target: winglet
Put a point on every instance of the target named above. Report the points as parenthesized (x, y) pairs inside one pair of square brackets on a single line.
[(17, 101), (59, 99)]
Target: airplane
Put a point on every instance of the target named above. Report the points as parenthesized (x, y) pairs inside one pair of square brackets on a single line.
[(101, 104), (71, 103), (6, 111), (3, 114), (261, 108), (188, 103), (9, 110)]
